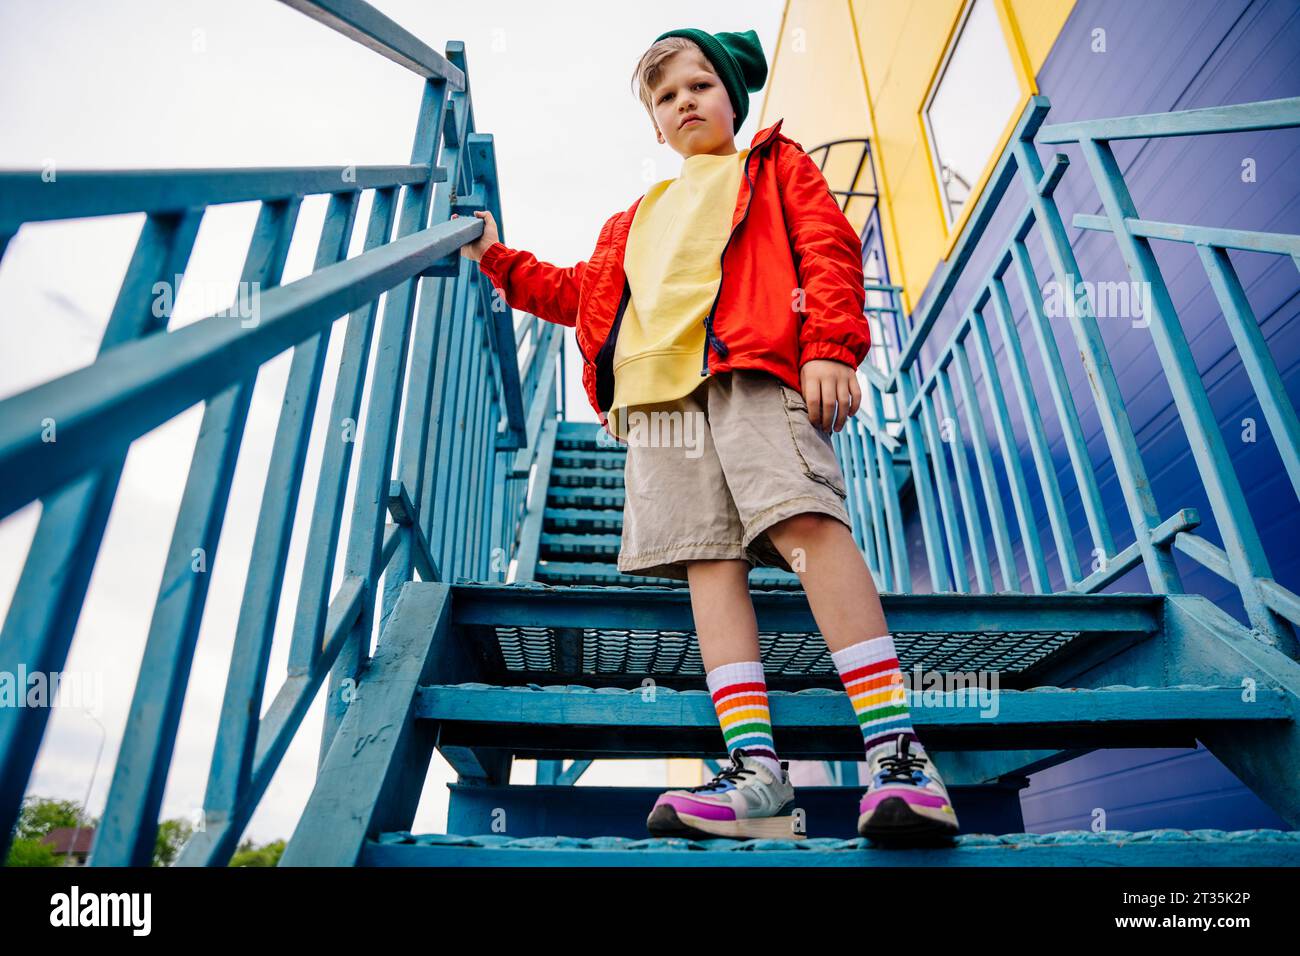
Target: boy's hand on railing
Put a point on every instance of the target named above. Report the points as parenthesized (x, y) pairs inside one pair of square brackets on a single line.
[(474, 250), (832, 392)]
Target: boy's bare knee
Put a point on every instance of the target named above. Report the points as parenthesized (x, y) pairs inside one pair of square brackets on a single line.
[(800, 527), (718, 572)]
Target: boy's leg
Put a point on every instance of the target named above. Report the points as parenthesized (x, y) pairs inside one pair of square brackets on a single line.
[(723, 611), (906, 801), (846, 605), (679, 521), (790, 494), (790, 491), (728, 635)]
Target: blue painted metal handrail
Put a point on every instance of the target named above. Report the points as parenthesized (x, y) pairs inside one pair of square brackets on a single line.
[(472, 421), (926, 395)]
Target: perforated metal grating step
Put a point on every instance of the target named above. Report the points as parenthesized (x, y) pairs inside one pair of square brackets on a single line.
[(647, 630), (617, 650)]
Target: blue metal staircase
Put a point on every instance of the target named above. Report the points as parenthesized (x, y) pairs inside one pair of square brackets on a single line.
[(484, 532), (604, 672)]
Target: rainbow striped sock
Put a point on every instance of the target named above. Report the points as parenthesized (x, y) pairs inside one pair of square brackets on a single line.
[(872, 679), (739, 693)]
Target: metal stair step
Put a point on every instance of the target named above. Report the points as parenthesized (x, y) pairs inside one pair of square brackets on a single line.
[(1182, 848), (604, 546), (575, 497), (581, 435), (600, 573), (586, 478), (542, 810), (601, 551), (609, 458), (583, 520), (619, 634), (580, 573), (563, 721)]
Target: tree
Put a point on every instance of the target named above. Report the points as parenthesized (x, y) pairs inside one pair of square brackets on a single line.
[(250, 855), (40, 815), (25, 852), (172, 835)]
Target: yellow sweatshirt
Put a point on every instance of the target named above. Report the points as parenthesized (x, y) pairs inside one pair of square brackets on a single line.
[(673, 263)]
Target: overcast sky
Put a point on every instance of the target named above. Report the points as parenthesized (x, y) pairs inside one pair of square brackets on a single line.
[(183, 83)]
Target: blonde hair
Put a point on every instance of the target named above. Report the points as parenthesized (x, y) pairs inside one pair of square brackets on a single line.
[(650, 68)]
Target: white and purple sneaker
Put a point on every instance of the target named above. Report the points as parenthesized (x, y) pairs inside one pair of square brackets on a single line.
[(744, 801), (906, 803)]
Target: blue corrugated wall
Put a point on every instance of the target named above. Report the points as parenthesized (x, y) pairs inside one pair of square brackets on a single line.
[(1164, 55)]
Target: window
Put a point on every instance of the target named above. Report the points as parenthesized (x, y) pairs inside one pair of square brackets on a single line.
[(970, 105)]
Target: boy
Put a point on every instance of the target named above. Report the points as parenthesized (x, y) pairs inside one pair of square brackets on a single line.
[(727, 304)]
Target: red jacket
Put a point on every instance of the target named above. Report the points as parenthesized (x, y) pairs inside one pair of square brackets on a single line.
[(788, 233)]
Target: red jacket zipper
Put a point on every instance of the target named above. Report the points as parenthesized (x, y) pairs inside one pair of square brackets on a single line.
[(721, 347)]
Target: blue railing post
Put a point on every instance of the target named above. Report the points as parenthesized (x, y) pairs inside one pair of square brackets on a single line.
[(1014, 357), (1063, 401), (984, 461), (1228, 502), (936, 444), (969, 504), (234, 752), (127, 831), (1143, 510), (370, 504), (1020, 501), (51, 592), (934, 553)]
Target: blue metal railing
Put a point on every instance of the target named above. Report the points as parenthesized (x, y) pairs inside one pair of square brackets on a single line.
[(471, 421), (927, 396), (850, 192)]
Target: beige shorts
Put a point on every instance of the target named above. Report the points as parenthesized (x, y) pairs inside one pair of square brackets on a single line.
[(707, 474)]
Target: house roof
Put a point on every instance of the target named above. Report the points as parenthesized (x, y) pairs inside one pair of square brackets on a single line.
[(60, 839)]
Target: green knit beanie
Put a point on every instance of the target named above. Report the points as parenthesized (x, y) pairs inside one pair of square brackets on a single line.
[(738, 60)]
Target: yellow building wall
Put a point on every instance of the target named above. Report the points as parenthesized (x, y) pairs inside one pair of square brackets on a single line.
[(846, 68), (815, 84), (686, 772)]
